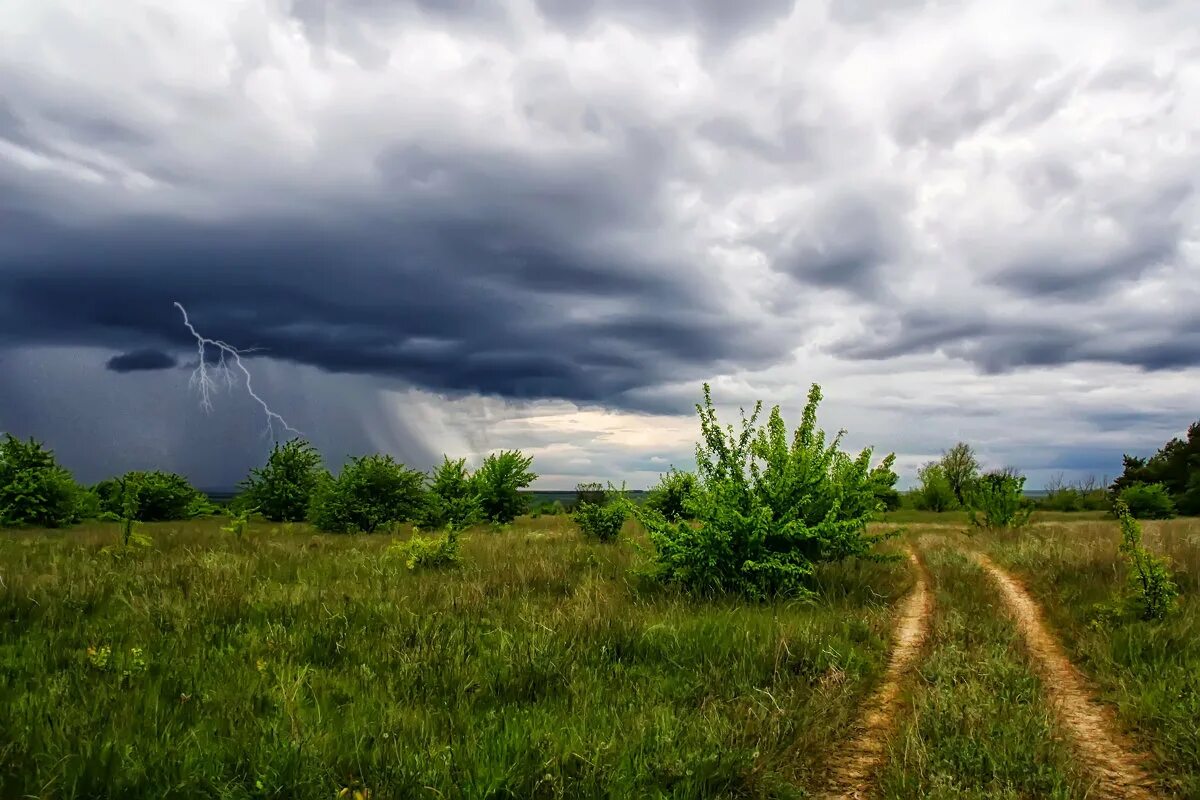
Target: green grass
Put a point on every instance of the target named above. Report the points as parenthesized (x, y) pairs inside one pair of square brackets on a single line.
[(288, 664), (1148, 671), (977, 724)]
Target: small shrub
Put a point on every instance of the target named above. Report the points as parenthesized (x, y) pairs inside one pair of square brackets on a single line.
[(996, 501), (499, 481), (452, 500), (1147, 501), (370, 492), (1152, 592), (603, 520), (934, 492), (34, 489), (430, 552), (672, 496), (239, 521), (282, 490), (767, 506)]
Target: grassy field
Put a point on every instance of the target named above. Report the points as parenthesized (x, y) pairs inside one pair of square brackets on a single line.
[(289, 664), (294, 664)]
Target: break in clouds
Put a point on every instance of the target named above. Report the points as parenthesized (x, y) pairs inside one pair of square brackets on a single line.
[(452, 226)]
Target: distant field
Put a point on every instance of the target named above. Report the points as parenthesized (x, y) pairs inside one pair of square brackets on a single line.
[(294, 664)]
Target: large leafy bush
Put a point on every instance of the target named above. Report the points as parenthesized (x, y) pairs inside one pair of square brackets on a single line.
[(1147, 500), (499, 481), (282, 490), (603, 515), (369, 492), (996, 501), (672, 496), (767, 507), (152, 496), (34, 489), (933, 491), (452, 500)]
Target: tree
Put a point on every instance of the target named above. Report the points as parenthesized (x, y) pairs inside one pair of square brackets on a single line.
[(1176, 466), (1147, 501), (370, 492), (452, 500), (961, 469), (767, 507), (499, 481), (933, 492), (34, 489), (672, 496), (996, 500), (883, 484), (151, 496), (282, 490)]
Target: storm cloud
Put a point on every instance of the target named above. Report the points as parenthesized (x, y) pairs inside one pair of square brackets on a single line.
[(601, 203)]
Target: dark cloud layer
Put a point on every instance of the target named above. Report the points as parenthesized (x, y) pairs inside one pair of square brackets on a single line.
[(143, 360)]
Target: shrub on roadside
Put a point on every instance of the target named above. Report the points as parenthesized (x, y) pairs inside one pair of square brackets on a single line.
[(1152, 591), (672, 496), (369, 492), (282, 490), (34, 489), (452, 500), (1147, 501), (996, 501), (767, 507), (499, 481)]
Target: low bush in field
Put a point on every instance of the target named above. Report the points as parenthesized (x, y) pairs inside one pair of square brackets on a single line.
[(603, 517), (1152, 591), (430, 552), (152, 496), (1147, 501), (35, 490), (996, 501), (934, 492), (499, 481), (369, 492), (767, 507), (282, 490)]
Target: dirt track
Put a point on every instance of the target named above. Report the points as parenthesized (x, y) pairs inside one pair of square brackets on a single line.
[(853, 769), (1103, 750)]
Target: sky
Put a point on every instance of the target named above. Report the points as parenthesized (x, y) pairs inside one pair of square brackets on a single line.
[(451, 227)]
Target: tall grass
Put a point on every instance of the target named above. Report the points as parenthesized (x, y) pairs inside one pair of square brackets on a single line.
[(290, 664)]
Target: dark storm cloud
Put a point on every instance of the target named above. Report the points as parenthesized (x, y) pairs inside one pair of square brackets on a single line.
[(141, 361)]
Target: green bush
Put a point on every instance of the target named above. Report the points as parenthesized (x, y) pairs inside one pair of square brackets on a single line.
[(767, 507), (152, 497), (1152, 592), (934, 492), (604, 519), (883, 484), (499, 481), (370, 492), (593, 493), (34, 489), (1147, 501), (452, 500), (430, 552), (996, 501), (282, 490), (672, 496), (1085, 495), (1176, 466)]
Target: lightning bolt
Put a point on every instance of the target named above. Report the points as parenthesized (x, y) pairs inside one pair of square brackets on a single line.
[(205, 381)]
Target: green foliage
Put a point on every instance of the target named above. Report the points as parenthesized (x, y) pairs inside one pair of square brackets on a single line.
[(1176, 466), (34, 489), (673, 495), (452, 500), (996, 501), (1084, 495), (1147, 500), (430, 552), (767, 507), (152, 497), (370, 492), (603, 519), (593, 493), (961, 469), (934, 492), (883, 484), (499, 481), (239, 521), (1152, 591), (282, 490)]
